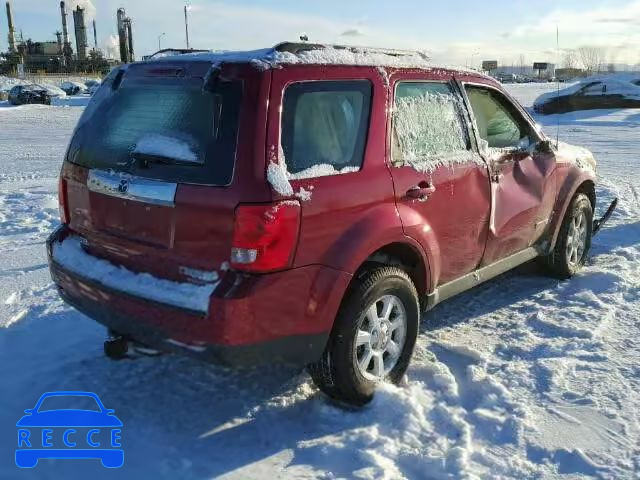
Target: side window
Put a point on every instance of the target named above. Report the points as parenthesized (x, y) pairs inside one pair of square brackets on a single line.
[(596, 88), (427, 122), (497, 120), (325, 124)]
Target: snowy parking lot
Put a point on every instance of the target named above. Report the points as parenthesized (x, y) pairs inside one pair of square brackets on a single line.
[(523, 377)]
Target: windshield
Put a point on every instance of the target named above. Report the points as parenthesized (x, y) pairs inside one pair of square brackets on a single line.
[(162, 128), (69, 402)]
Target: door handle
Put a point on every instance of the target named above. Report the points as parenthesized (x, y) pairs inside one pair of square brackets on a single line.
[(422, 191)]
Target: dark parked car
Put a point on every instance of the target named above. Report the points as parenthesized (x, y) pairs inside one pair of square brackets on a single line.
[(24, 94), (305, 204), (611, 91), (74, 88)]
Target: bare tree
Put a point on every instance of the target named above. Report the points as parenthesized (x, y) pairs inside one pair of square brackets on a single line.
[(612, 56), (592, 58), (521, 63), (570, 59)]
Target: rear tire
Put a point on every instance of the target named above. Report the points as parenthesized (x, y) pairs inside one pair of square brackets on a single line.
[(574, 240), (372, 339)]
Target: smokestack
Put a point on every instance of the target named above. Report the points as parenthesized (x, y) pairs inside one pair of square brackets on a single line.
[(65, 32), (81, 33), (66, 46), (130, 39), (95, 36), (12, 33), (60, 44), (122, 36)]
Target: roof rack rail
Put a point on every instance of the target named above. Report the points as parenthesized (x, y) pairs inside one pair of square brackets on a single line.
[(299, 47), (175, 51)]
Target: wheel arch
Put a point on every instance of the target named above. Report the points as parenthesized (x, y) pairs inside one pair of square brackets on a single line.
[(404, 254), (572, 186)]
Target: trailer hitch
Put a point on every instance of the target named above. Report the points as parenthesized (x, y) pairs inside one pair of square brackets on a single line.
[(598, 224), (120, 347)]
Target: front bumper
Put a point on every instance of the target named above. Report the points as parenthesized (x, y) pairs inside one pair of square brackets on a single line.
[(283, 317)]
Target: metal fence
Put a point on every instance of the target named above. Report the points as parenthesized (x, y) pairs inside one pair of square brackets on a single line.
[(58, 78)]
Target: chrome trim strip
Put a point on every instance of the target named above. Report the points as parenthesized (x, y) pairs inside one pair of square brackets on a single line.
[(129, 187)]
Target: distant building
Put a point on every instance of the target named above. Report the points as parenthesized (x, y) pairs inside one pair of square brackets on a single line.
[(527, 71)]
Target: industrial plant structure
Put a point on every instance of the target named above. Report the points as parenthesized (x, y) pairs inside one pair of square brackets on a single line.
[(125, 37), (58, 56)]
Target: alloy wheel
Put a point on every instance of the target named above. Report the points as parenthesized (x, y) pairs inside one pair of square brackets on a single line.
[(380, 338)]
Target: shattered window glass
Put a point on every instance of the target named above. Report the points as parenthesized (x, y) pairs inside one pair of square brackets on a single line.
[(427, 122)]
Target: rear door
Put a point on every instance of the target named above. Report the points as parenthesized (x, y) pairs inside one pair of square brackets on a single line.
[(327, 128), (159, 162), (441, 182), (522, 182)]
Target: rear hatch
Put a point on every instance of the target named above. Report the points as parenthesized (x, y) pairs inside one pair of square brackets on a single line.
[(159, 161)]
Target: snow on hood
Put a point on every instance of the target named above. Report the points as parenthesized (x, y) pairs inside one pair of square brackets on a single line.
[(70, 255), (581, 156), (617, 84), (167, 146), (53, 90)]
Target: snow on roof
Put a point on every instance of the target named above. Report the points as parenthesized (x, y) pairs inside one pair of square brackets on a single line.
[(319, 55), (71, 83), (617, 83)]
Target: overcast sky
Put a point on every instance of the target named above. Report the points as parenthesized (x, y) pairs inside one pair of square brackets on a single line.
[(451, 31)]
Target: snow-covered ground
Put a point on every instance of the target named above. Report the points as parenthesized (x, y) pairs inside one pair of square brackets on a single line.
[(523, 377)]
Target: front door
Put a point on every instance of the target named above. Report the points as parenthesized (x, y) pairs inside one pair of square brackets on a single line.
[(441, 183), (522, 185)]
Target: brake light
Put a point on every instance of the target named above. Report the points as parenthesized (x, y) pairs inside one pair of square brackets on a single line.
[(63, 204), (265, 236)]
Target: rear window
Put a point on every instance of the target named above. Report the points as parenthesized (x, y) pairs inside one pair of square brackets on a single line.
[(325, 123), (168, 129)]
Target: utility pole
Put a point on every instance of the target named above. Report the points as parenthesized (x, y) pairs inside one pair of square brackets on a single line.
[(186, 23)]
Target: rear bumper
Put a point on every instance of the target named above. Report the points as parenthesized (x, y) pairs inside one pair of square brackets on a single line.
[(281, 317)]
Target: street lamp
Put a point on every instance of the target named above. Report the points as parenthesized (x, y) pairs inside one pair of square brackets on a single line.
[(187, 7), (473, 55), (159, 39)]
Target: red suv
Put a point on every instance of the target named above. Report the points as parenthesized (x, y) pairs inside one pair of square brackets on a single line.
[(304, 204)]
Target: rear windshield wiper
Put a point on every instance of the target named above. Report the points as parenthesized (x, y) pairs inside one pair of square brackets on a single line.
[(144, 159)]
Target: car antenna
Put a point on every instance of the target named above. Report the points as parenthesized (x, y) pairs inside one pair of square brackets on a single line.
[(557, 86)]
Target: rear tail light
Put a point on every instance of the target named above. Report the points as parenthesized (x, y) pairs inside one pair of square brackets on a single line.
[(63, 204), (265, 236)]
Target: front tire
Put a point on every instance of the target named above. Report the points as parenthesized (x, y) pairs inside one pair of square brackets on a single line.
[(373, 337), (574, 240)]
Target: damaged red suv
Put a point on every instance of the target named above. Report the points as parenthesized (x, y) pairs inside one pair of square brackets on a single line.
[(305, 204)]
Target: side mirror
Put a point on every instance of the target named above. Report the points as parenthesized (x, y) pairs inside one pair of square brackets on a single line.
[(544, 146)]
